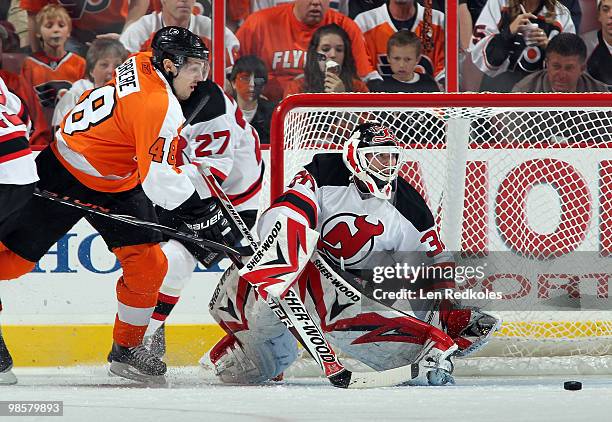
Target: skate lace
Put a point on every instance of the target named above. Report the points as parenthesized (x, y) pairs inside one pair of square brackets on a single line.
[(142, 354)]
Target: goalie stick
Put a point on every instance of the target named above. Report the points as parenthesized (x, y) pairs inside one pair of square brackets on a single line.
[(293, 313), (173, 233)]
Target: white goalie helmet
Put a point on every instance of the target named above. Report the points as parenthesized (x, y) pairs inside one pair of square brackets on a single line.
[(373, 156)]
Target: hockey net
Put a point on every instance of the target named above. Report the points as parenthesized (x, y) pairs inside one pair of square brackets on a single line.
[(521, 182)]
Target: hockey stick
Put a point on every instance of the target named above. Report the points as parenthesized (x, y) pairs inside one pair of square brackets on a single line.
[(173, 233), (293, 313)]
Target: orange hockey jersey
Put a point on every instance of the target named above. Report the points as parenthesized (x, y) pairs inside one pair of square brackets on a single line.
[(377, 28), (52, 77), (89, 16), (125, 133), (277, 37)]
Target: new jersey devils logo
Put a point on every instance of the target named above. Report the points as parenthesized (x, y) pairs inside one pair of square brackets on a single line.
[(348, 236)]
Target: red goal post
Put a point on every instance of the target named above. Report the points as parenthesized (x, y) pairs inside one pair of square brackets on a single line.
[(524, 176)]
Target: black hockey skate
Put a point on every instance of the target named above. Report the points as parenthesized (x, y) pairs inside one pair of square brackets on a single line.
[(136, 363), (6, 363), (156, 343)]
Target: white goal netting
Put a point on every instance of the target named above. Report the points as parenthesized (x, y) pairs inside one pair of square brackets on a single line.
[(525, 190)]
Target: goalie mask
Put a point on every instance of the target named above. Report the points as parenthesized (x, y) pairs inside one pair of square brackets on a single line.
[(374, 158)]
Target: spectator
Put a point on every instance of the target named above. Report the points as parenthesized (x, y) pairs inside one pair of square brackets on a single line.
[(39, 133), (248, 78), (359, 6), (476, 6), (565, 69), (52, 70), (403, 51), (280, 36), (12, 41), (379, 24), (89, 18), (466, 27), (341, 6), (103, 56), (504, 46), (599, 45), (138, 36), (330, 66)]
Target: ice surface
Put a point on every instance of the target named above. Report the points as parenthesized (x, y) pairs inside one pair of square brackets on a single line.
[(192, 394)]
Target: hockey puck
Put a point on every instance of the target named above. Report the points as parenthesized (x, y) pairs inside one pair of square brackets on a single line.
[(572, 385)]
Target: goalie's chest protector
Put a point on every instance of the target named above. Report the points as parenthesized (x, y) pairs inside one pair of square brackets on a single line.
[(354, 227)]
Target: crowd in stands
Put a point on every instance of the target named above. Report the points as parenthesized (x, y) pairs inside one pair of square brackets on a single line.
[(51, 52)]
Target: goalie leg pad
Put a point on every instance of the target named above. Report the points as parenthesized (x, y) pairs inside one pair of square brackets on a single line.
[(253, 362)]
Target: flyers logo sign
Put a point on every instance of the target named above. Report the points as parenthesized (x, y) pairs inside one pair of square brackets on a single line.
[(349, 236)]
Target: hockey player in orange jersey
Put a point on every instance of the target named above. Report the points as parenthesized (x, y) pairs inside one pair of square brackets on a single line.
[(116, 149), (280, 36), (380, 23)]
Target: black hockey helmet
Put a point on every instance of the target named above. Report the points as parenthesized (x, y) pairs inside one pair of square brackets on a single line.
[(373, 156), (177, 44)]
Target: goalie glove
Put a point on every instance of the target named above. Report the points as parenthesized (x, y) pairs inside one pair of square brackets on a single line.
[(470, 327)]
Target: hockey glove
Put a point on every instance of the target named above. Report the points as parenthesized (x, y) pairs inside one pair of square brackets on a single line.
[(209, 222)]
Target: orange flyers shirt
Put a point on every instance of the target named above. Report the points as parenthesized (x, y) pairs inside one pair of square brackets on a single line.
[(280, 40), (125, 133), (377, 28), (51, 77), (97, 16)]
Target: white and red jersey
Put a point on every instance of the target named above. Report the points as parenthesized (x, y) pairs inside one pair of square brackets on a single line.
[(377, 27), (17, 165), (138, 36), (360, 231), (219, 137), (495, 49)]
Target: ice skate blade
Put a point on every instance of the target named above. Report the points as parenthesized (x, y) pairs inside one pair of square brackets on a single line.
[(7, 377), (126, 371)]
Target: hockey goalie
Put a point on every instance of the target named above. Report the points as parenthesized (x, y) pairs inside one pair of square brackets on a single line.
[(364, 216)]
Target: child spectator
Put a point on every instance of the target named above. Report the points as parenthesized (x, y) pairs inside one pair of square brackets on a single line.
[(379, 24), (330, 66), (599, 45), (248, 78), (565, 69), (52, 70), (39, 132), (404, 51), (510, 39), (103, 56), (90, 18)]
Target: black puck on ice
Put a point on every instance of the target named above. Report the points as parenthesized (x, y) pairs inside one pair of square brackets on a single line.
[(572, 385)]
